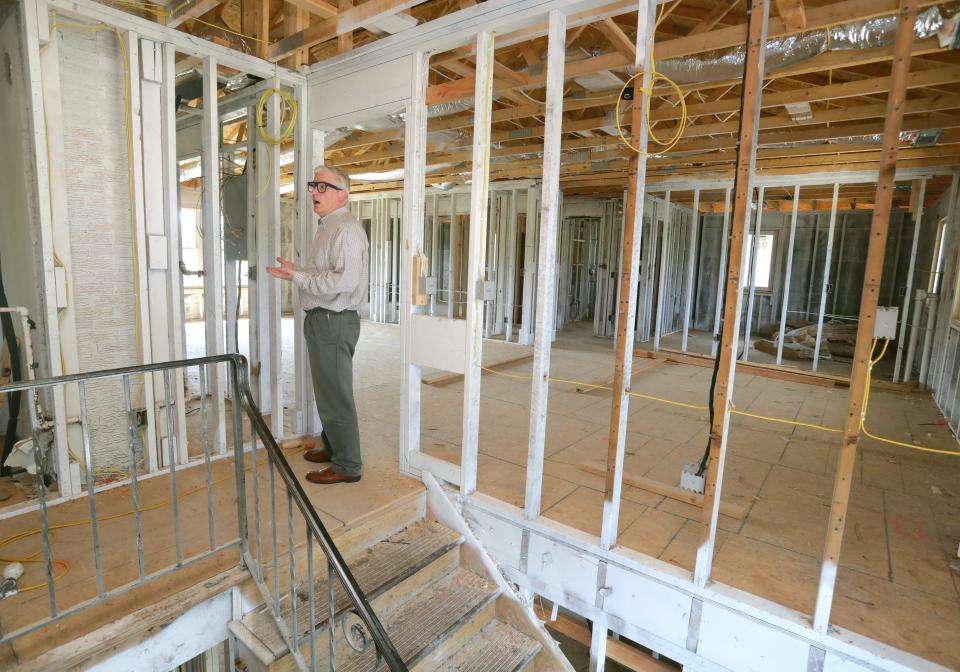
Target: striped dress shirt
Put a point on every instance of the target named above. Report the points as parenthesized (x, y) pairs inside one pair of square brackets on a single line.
[(336, 275)]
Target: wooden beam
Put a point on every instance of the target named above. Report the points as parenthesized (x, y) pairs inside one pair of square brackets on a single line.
[(315, 34), (617, 651), (820, 17), (729, 338), (532, 58), (792, 14), (191, 9), (611, 29), (369, 12), (345, 40), (720, 10), (868, 309), (263, 28), (295, 19), (670, 491), (319, 8), (630, 262)]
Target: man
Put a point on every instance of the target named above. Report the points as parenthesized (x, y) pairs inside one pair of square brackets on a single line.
[(333, 285)]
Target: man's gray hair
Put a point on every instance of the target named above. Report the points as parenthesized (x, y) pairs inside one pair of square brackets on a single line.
[(342, 179)]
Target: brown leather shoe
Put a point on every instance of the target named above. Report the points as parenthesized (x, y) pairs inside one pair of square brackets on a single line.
[(317, 455), (327, 476)]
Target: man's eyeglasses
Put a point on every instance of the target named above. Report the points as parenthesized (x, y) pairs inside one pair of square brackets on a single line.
[(322, 187)]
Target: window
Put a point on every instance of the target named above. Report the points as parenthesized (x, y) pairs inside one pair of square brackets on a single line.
[(763, 270)]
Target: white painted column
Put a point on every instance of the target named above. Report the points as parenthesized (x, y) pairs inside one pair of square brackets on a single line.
[(141, 263), (529, 268), (310, 150), (721, 274), (511, 268), (752, 274), (415, 157), (546, 278), (691, 263), (476, 262), (171, 215), (646, 20), (454, 241), (45, 133), (435, 259), (908, 295), (786, 278), (212, 249), (160, 301), (826, 276), (662, 275)]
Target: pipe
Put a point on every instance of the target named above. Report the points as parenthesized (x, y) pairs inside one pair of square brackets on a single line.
[(932, 303)]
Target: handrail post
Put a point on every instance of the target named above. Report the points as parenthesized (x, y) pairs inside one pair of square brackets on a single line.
[(237, 409)]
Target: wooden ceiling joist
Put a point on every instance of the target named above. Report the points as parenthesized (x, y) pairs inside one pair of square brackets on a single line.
[(191, 9), (347, 21)]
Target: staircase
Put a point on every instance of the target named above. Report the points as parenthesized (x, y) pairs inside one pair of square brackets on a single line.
[(435, 600)]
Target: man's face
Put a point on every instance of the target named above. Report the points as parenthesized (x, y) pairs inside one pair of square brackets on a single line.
[(331, 199)]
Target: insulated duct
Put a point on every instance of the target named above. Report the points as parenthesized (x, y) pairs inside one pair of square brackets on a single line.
[(789, 50)]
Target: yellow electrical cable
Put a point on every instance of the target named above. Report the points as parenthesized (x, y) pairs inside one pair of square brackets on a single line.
[(647, 93), (746, 414), (290, 103)]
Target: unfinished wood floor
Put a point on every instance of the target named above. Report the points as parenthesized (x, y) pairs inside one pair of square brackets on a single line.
[(899, 579)]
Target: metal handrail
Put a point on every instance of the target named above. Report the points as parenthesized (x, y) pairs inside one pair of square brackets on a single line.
[(241, 388)]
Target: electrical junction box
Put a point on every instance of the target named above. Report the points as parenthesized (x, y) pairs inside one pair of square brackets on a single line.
[(430, 286), (886, 324)]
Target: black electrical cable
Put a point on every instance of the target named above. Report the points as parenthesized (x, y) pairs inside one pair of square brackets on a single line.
[(10, 338)]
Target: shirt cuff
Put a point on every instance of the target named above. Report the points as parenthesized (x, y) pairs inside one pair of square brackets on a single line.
[(300, 278)]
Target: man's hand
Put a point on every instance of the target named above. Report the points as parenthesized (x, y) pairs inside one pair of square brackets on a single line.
[(284, 271)]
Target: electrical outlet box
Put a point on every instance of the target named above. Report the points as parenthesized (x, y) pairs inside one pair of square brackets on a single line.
[(60, 278), (886, 324), (430, 285), (689, 479)]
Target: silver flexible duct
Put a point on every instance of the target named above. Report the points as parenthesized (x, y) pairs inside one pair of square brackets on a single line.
[(785, 51)]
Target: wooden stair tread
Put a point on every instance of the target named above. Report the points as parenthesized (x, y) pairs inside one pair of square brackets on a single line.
[(376, 570), (496, 648), (422, 623)]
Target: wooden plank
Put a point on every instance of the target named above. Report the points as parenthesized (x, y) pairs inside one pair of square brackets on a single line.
[(753, 368), (612, 30), (820, 17), (449, 378), (319, 8), (729, 338), (868, 308), (669, 491), (191, 10), (792, 14), (619, 652), (545, 319), (630, 264), (715, 16), (315, 34), (355, 17), (345, 39), (476, 262)]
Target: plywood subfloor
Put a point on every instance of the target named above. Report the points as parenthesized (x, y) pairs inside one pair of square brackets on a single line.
[(899, 581)]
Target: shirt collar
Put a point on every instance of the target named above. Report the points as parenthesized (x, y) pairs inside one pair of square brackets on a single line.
[(342, 208)]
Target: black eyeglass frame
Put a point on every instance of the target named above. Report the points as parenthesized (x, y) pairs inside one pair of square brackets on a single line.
[(326, 185)]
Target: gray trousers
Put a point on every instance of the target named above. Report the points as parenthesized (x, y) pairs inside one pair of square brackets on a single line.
[(331, 341)]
